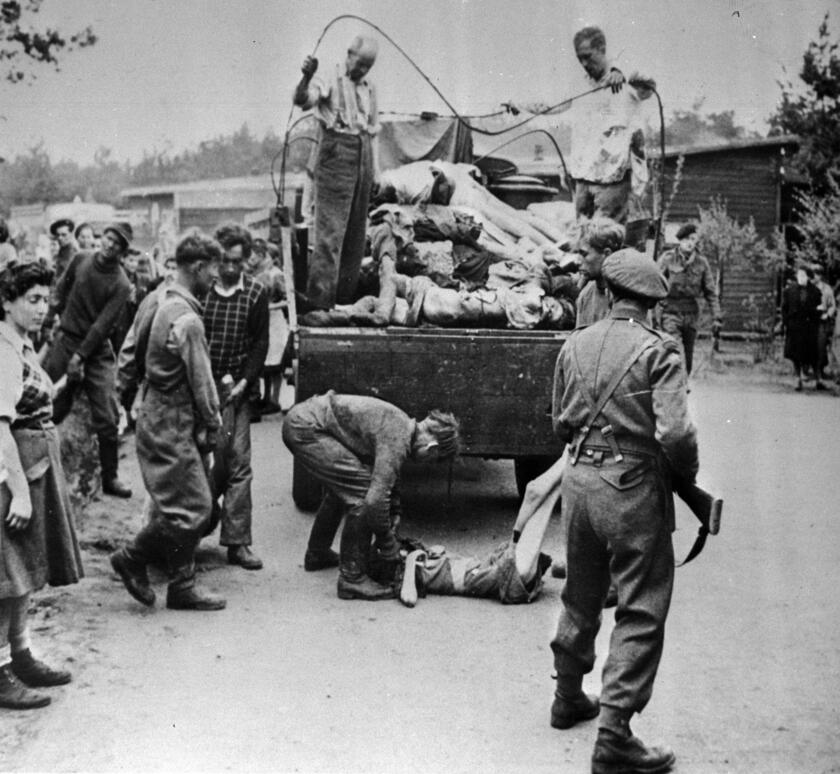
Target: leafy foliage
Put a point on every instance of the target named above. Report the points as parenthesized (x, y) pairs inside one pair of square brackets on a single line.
[(23, 45), (812, 110), (690, 128), (818, 226)]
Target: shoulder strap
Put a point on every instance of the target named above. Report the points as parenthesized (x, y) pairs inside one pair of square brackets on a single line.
[(597, 406)]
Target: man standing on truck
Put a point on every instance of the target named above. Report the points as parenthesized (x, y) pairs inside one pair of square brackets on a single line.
[(620, 404), (607, 161), (345, 105), (356, 446)]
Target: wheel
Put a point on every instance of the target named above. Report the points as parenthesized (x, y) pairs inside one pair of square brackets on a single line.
[(306, 490), (527, 469)]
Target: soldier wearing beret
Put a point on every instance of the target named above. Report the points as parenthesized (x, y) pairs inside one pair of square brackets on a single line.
[(620, 404), (689, 277)]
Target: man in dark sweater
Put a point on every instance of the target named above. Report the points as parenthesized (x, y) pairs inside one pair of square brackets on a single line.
[(90, 298), (236, 325)]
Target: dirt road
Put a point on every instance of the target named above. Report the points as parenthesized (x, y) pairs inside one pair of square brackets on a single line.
[(291, 679)]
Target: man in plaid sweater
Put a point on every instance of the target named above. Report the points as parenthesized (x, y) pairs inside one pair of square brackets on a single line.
[(236, 326)]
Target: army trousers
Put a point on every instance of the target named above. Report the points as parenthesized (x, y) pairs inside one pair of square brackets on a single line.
[(619, 530), (175, 476), (682, 326)]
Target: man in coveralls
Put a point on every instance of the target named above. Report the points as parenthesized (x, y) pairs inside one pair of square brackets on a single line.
[(344, 102), (176, 428), (620, 403), (355, 446)]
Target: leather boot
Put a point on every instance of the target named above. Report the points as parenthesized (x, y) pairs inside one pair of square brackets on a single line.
[(244, 557), (190, 598), (15, 695), (35, 673), (319, 554), (352, 581), (319, 559), (109, 462), (134, 577), (571, 705), (615, 754)]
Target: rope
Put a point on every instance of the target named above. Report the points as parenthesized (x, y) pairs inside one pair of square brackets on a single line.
[(525, 134), (464, 122)]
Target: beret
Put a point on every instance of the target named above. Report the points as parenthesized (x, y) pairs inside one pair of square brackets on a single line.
[(633, 272), (686, 231)]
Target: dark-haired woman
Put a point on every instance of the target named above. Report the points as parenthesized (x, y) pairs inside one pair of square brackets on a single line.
[(37, 538)]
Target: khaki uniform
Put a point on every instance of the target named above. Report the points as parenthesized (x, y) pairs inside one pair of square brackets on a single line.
[(689, 277), (620, 513)]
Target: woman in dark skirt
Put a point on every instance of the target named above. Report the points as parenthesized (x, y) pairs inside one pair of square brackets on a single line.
[(37, 538), (801, 317)]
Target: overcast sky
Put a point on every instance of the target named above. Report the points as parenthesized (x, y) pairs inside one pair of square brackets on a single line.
[(167, 74)]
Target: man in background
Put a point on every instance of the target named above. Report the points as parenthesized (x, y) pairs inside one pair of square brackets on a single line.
[(689, 277)]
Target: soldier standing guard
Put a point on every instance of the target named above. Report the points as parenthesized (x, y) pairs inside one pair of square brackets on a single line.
[(620, 403)]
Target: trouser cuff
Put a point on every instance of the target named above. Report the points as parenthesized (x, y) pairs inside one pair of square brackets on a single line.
[(616, 720)]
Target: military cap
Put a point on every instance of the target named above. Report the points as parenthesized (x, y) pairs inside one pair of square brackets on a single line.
[(633, 272), (686, 231), (57, 224), (123, 230)]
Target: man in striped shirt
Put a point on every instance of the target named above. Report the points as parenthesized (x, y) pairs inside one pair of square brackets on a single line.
[(236, 326)]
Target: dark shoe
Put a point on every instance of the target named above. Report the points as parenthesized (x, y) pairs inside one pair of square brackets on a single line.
[(35, 673), (566, 713), (363, 588), (134, 577), (15, 695), (558, 570), (820, 386), (244, 557), (270, 407), (617, 755), (115, 488), (192, 599), (319, 559)]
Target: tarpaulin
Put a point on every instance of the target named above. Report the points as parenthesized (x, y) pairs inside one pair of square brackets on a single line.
[(401, 142)]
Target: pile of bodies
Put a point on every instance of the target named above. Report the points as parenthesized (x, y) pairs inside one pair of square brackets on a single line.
[(446, 252)]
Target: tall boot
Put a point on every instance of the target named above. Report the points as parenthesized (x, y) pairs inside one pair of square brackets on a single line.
[(571, 705), (109, 462), (130, 563), (319, 553), (182, 593), (353, 583)]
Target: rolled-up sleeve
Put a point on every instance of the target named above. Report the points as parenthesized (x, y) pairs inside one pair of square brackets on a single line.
[(11, 381)]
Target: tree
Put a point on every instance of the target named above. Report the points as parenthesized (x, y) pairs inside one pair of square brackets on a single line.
[(23, 45), (690, 128), (812, 111), (818, 227)]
